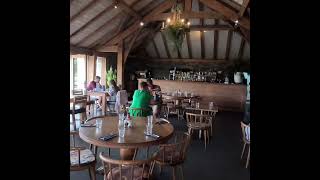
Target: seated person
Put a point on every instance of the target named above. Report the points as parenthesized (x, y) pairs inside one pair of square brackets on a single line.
[(92, 86), (112, 91), (155, 90), (142, 99)]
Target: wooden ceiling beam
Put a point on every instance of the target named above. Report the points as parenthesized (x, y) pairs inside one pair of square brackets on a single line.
[(90, 52), (127, 51), (100, 28), (189, 61), (243, 7), (227, 12), (241, 49), (187, 5), (160, 8), (123, 5), (106, 10), (230, 34), (89, 5), (189, 15), (215, 41), (109, 49), (189, 45), (210, 27)]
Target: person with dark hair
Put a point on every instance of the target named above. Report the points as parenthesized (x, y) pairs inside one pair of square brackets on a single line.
[(142, 99), (155, 90), (92, 86), (112, 91)]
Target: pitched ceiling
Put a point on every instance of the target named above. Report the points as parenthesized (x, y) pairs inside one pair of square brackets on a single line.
[(95, 24)]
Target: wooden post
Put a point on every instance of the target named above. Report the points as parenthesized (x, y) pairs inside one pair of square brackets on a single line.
[(103, 71), (120, 64), (90, 68)]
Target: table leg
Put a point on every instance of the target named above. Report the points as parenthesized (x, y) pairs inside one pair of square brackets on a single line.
[(127, 154), (103, 105)]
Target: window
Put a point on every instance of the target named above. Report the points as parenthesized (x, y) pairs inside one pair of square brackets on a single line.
[(99, 67), (77, 72)]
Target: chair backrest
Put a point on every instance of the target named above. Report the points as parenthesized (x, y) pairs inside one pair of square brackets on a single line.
[(80, 101), (245, 131), (198, 119), (77, 92), (209, 112), (175, 152), (74, 147), (95, 118), (127, 169)]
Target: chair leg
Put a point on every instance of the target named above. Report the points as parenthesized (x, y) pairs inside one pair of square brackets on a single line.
[(160, 169), (200, 134), (181, 172), (205, 139), (248, 158), (208, 136), (243, 149), (92, 170), (174, 173), (211, 130)]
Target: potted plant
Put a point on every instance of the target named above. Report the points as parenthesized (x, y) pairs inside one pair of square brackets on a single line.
[(111, 75)]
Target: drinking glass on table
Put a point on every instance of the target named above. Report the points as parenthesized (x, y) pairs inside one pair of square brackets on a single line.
[(150, 119), (99, 123)]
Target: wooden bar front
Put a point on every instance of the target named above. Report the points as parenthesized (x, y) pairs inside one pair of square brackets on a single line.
[(228, 97)]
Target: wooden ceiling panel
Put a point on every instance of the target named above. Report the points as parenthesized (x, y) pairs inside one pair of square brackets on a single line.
[(151, 51), (222, 44), (246, 51), (195, 44), (77, 5), (94, 26), (171, 49), (148, 8), (235, 46), (184, 49), (141, 4), (88, 15), (208, 41), (160, 46), (98, 35)]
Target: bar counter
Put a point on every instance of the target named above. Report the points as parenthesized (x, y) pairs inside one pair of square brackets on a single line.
[(228, 97)]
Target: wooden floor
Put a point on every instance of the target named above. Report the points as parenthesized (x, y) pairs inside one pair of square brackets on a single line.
[(221, 160)]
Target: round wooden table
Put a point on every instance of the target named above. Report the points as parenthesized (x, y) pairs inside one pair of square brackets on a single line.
[(134, 137)]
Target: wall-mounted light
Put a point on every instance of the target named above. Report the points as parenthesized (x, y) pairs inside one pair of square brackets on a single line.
[(168, 20), (188, 23)]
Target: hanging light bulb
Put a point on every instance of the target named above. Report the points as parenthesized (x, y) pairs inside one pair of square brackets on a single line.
[(115, 6), (141, 23)]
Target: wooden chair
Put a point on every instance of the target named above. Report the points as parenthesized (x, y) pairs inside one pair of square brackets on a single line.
[(82, 158), (212, 114), (199, 122), (127, 169), (173, 108), (79, 107), (77, 92), (174, 154), (246, 141)]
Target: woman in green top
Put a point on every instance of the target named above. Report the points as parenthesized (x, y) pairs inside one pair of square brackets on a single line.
[(141, 101)]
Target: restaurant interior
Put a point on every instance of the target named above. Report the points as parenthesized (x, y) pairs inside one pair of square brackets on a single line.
[(159, 89)]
